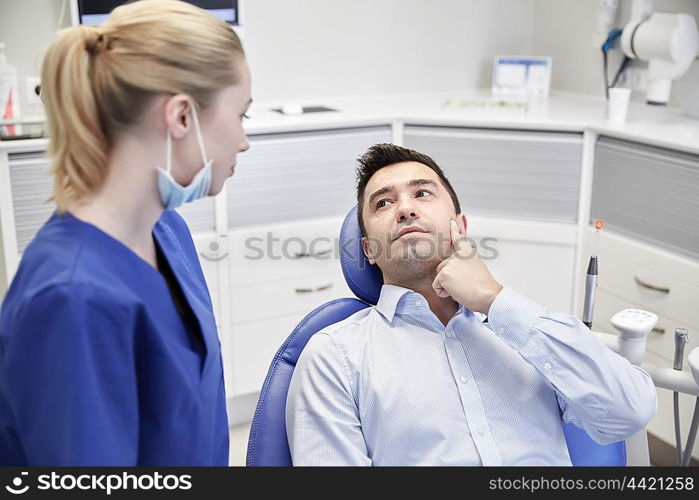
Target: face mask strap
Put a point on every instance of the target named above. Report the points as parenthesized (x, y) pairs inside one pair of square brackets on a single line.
[(200, 139), (168, 153)]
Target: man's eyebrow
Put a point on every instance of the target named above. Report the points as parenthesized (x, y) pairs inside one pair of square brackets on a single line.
[(421, 182), (379, 192)]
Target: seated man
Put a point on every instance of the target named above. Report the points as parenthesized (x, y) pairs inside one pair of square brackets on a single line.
[(420, 379)]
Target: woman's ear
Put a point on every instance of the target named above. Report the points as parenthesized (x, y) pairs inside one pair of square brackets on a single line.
[(177, 110)]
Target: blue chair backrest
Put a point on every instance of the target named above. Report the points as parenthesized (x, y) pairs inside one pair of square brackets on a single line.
[(268, 445)]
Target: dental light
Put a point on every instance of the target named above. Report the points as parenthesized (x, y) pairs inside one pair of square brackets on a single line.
[(668, 42)]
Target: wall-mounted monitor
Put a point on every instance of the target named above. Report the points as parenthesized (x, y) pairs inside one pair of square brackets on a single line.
[(95, 12)]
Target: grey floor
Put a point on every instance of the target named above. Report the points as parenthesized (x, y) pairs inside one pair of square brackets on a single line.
[(238, 444)]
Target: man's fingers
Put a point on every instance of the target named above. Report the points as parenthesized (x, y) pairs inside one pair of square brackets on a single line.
[(439, 289), (441, 293)]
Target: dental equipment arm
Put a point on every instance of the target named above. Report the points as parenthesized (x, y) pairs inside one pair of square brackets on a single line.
[(680, 341)]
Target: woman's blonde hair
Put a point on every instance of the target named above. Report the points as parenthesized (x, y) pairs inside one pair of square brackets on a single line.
[(97, 81)]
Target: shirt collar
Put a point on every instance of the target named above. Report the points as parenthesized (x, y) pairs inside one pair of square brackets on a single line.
[(394, 299), (389, 298)]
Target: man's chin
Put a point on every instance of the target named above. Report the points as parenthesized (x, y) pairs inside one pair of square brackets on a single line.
[(409, 269), (416, 248)]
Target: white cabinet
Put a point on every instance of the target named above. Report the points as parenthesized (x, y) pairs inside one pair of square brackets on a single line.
[(648, 193), (535, 258), (647, 256), (285, 207), (648, 250), (507, 173), (637, 275), (279, 273), (294, 176), (31, 185)]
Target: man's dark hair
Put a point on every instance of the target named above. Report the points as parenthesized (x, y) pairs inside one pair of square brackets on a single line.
[(383, 155)]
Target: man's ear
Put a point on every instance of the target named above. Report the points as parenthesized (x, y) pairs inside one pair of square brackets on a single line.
[(368, 251), (462, 222)]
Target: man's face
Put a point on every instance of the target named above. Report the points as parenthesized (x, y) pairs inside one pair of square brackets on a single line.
[(407, 212)]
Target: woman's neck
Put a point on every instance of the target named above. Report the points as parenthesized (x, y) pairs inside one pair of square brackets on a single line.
[(126, 206)]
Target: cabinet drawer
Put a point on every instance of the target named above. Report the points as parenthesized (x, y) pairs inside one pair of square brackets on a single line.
[(650, 287), (539, 271), (263, 317), (286, 177), (299, 295), (270, 253), (648, 193), (252, 349), (625, 266), (32, 186), (520, 175), (661, 341)]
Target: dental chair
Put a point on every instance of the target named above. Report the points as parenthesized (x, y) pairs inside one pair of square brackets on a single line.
[(268, 445)]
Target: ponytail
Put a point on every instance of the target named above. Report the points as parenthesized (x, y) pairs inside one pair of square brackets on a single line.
[(78, 144)]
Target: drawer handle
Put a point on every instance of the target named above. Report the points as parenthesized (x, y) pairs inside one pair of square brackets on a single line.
[(658, 330), (660, 289), (303, 255), (311, 290)]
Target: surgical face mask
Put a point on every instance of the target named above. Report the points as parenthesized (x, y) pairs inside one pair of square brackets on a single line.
[(172, 193)]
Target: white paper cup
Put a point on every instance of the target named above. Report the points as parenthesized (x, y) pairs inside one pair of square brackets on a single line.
[(618, 104)]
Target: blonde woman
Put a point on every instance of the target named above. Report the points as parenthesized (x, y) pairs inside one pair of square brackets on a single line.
[(109, 353)]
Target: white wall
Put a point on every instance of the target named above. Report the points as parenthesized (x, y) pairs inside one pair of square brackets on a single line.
[(27, 28), (310, 49), (564, 30), (315, 48)]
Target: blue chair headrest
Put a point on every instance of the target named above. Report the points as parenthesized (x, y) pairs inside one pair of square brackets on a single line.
[(363, 278)]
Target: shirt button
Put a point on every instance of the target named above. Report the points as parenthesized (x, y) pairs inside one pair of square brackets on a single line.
[(501, 329), (448, 334), (547, 366), (464, 379), (480, 431)]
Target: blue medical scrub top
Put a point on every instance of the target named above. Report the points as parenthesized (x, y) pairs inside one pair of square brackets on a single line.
[(97, 366)]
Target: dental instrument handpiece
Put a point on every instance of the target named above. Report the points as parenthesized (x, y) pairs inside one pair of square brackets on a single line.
[(590, 290), (681, 339)]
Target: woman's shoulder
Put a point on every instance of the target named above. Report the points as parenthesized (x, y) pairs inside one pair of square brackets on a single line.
[(63, 258)]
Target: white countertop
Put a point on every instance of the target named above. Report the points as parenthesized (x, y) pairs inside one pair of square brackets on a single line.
[(565, 112)]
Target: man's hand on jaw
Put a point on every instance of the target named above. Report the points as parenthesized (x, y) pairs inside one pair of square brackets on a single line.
[(464, 277)]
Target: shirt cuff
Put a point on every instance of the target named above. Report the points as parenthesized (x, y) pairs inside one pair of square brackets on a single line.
[(512, 317)]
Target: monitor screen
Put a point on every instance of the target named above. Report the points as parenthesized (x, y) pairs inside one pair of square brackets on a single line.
[(95, 12)]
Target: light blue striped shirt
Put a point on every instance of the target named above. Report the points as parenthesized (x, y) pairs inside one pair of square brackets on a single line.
[(391, 385)]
